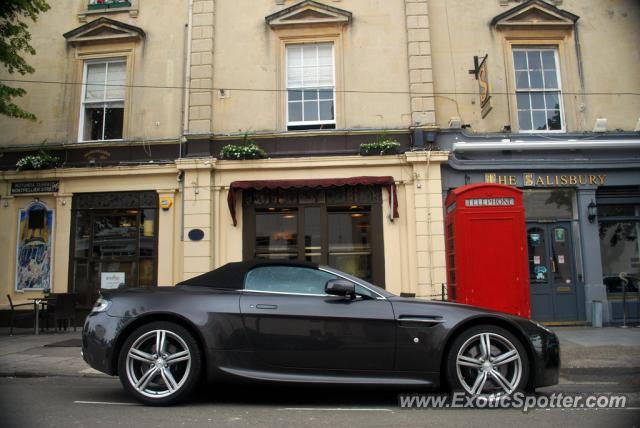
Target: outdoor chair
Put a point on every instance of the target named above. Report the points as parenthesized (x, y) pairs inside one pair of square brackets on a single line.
[(18, 314), (62, 308)]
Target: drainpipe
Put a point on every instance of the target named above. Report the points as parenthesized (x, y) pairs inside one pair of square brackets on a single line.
[(187, 78), (185, 109)]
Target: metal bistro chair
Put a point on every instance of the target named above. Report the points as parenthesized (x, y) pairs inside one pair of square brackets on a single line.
[(18, 314), (62, 307)]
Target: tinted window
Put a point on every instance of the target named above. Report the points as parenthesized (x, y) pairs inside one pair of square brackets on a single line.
[(614, 285), (287, 279)]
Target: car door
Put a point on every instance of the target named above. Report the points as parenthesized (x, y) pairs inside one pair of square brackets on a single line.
[(291, 323)]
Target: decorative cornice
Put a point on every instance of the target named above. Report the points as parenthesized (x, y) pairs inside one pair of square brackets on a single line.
[(534, 13), (103, 29), (308, 12)]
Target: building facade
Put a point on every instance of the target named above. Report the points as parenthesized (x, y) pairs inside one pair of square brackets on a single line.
[(137, 101), (544, 96)]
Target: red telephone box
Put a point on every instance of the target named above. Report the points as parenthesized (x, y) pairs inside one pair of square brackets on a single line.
[(486, 248)]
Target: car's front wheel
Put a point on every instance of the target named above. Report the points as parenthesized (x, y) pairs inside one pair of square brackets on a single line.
[(159, 363), (487, 360)]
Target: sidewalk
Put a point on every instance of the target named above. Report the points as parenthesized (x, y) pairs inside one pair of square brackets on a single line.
[(26, 354), (587, 347)]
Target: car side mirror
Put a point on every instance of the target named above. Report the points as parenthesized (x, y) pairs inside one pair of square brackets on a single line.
[(340, 287)]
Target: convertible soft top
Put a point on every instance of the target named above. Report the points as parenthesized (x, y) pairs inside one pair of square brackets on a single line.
[(231, 276)]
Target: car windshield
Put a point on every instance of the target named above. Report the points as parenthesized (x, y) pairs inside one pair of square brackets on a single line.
[(380, 291)]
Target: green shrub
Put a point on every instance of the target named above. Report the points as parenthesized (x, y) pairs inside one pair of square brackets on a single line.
[(41, 160)]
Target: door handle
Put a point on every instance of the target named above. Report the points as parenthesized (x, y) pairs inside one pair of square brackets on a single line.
[(265, 306)]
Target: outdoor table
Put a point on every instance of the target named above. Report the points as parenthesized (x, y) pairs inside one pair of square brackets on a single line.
[(37, 302)]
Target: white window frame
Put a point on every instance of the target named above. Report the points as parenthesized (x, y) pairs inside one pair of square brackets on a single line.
[(553, 49), (83, 103), (303, 88)]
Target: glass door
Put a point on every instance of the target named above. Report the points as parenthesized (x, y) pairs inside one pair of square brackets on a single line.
[(339, 227), (552, 272), (112, 248)]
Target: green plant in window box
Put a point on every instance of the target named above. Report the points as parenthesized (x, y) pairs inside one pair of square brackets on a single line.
[(247, 150), (382, 146), (41, 160)]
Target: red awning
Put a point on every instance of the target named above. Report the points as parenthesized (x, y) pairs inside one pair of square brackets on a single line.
[(322, 183)]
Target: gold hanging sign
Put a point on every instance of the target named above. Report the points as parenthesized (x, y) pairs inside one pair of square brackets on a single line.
[(481, 74)]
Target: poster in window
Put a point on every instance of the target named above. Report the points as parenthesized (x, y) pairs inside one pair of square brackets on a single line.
[(34, 253), (534, 239)]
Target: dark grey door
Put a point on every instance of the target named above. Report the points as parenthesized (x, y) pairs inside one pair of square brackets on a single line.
[(552, 273), (292, 324)]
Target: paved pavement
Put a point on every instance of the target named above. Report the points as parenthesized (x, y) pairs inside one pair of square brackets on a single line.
[(26, 355), (586, 347)]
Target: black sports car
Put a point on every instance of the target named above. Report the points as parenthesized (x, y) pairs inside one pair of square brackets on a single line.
[(298, 322)]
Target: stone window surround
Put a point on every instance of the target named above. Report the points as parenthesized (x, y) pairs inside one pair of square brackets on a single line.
[(567, 71), (82, 56), (285, 38)]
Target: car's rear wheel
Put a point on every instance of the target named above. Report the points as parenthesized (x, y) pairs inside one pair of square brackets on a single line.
[(487, 360), (159, 363)]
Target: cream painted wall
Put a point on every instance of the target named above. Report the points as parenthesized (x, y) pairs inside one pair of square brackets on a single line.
[(248, 54), (80, 180), (414, 256), (159, 61), (608, 34), (414, 260)]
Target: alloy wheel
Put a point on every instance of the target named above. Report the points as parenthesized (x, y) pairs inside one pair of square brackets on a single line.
[(158, 363), (489, 364)]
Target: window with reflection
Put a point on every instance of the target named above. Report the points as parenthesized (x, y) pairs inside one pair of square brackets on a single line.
[(538, 94), (310, 86), (287, 279), (549, 204), (102, 116), (619, 229), (113, 233), (276, 233), (339, 227), (350, 239)]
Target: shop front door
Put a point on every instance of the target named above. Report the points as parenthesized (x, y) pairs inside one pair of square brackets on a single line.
[(552, 272), (114, 243)]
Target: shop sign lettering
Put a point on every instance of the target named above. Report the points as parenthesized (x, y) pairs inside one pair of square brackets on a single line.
[(489, 202), (25, 187), (531, 179)]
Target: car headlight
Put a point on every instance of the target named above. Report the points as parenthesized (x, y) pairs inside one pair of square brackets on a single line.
[(101, 305)]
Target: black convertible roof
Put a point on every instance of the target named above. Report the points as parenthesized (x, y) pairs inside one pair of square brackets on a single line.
[(231, 275)]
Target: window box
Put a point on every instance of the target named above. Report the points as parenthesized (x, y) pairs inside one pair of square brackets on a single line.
[(108, 4), (379, 148), (40, 160), (249, 151)]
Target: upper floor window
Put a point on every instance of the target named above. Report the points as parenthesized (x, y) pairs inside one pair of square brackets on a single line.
[(538, 91), (310, 84), (108, 4), (102, 114)]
